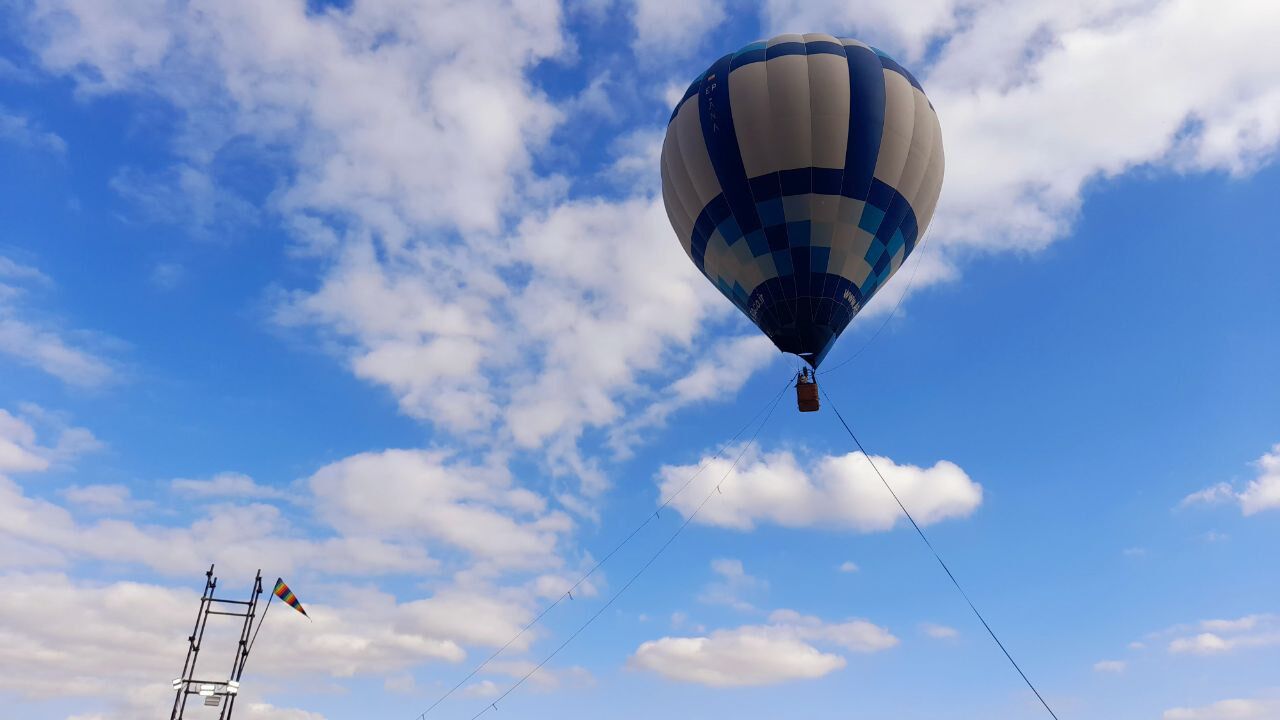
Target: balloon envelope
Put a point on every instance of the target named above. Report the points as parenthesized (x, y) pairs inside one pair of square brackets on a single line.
[(799, 173)]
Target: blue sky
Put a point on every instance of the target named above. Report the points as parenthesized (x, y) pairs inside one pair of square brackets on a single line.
[(380, 297)]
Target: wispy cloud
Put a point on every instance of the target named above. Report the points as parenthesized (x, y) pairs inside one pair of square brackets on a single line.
[(31, 339), (732, 586), (939, 632), (1234, 709), (1221, 636), (23, 131)]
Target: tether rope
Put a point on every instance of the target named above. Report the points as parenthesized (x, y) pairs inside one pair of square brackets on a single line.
[(937, 556)]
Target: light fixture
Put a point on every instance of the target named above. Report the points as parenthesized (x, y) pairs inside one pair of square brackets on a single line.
[(233, 687), (177, 683), (206, 690)]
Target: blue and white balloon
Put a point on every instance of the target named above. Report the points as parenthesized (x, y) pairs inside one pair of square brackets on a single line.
[(799, 173)]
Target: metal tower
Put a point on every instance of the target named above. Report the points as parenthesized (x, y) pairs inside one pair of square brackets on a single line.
[(216, 692)]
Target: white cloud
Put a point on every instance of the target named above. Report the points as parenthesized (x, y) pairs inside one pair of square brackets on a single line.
[(240, 538), (664, 28), (420, 494), (470, 294), (1160, 92), (547, 358), (1169, 83), (225, 485), (598, 315), (680, 622), (365, 107), (543, 678), (1235, 709), (732, 585), (188, 197), (15, 270), (730, 365), (1212, 495), (167, 275), (476, 324), (1110, 666), (371, 102), (1262, 493), (20, 450), (33, 341), (898, 25), (126, 635), (479, 296), (1213, 644), (780, 651), (836, 491), (1202, 644), (737, 657), (23, 131), (482, 689), (357, 630), (637, 158), (1226, 635), (11, 71), (504, 531), (102, 499), (267, 711), (848, 566), (939, 632), (1248, 622)]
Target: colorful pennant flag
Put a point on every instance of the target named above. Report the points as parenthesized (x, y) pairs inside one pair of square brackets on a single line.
[(283, 592)]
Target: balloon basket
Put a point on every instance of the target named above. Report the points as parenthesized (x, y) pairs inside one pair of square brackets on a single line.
[(806, 391)]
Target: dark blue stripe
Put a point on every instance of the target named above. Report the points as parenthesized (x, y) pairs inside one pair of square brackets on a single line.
[(787, 48), (889, 63), (825, 47), (721, 139), (766, 187), (881, 195), (796, 181), (866, 121), (746, 57), (827, 181), (893, 217), (690, 92), (754, 54), (910, 229)]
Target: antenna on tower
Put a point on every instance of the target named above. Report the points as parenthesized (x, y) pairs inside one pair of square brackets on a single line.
[(217, 692)]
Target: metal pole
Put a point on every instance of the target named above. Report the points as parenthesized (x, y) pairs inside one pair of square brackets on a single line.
[(242, 648), (193, 647)]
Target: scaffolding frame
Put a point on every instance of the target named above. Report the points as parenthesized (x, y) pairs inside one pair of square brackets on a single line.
[(221, 693)]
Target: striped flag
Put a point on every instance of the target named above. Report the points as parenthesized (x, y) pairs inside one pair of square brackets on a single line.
[(283, 592)]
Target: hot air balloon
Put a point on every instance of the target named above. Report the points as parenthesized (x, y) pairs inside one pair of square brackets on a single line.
[(799, 173)]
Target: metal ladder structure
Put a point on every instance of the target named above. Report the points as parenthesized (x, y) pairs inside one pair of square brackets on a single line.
[(216, 693)]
